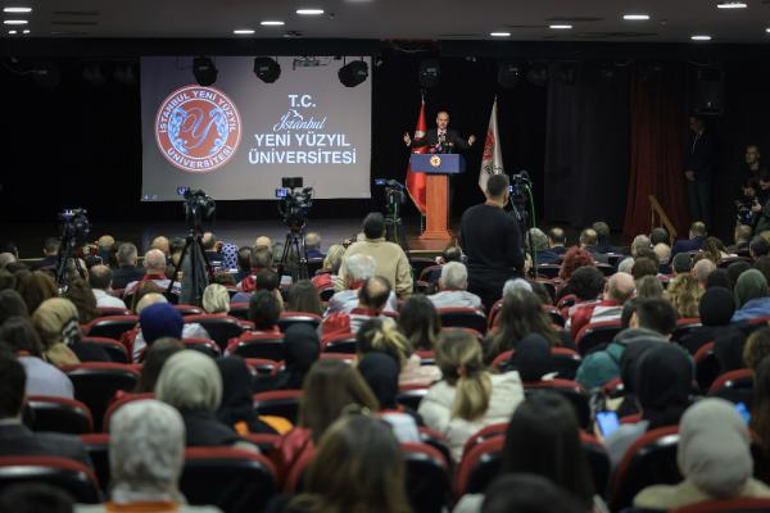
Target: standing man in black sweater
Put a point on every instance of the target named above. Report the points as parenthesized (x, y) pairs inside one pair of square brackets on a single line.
[(492, 240), (699, 170)]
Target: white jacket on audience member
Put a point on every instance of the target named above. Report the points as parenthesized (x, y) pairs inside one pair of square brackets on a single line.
[(436, 410)]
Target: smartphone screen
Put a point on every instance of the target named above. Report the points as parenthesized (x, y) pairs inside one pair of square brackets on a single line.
[(608, 422), (744, 412)]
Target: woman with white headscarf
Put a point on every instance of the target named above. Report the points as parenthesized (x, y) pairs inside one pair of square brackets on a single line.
[(146, 458), (191, 382), (714, 456)]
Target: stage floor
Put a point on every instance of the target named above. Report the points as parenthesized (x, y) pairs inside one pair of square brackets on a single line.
[(29, 237)]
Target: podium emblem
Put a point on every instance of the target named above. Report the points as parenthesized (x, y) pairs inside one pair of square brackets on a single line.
[(435, 161)]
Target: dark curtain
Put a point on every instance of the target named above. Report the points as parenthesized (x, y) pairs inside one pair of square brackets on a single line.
[(658, 134), (586, 162)]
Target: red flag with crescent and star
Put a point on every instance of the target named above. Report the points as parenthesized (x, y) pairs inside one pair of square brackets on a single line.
[(416, 183)]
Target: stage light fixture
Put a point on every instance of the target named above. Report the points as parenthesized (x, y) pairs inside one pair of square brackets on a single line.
[(636, 17), (700, 37), (353, 73), (509, 74), (17, 10), (205, 71), (266, 69), (430, 73)]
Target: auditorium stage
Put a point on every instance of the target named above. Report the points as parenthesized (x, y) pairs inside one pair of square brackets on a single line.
[(29, 236)]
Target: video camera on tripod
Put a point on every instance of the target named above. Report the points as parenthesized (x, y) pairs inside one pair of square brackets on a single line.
[(198, 207), (295, 202), (74, 230), (394, 193)]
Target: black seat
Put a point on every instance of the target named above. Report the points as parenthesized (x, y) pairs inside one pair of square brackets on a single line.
[(71, 476), (428, 485), (220, 329), (60, 415), (267, 346), (96, 383), (280, 403), (463, 318), (112, 326)]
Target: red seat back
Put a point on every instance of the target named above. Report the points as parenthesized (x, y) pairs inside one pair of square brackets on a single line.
[(281, 403), (592, 335), (116, 351), (463, 318), (706, 366), (290, 318), (571, 390), (727, 506), (220, 328), (60, 415), (112, 326), (96, 384), (269, 346)]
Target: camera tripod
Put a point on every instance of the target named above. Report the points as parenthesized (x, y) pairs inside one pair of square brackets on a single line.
[(69, 244), (198, 272), (394, 226), (294, 255)]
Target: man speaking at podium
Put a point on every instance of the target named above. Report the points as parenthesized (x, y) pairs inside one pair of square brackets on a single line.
[(441, 139)]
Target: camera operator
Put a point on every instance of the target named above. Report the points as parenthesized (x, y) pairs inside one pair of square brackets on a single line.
[(492, 241)]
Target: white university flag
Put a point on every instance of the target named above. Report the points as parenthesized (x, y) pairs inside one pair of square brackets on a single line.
[(492, 161)]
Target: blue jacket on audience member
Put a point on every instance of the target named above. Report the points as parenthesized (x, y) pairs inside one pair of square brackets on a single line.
[(753, 308)]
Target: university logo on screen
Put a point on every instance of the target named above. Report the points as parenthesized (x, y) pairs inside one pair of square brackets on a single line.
[(198, 129)]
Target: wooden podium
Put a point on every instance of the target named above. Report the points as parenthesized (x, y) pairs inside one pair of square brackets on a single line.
[(437, 166)]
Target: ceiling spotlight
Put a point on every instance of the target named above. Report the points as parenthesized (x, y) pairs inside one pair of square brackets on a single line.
[(271, 23), (732, 5), (266, 69), (243, 32), (509, 74), (353, 73), (636, 17), (767, 30), (17, 10), (700, 37), (560, 26), (430, 72), (310, 12), (205, 71), (25, 31), (15, 22), (500, 34), (13, 32)]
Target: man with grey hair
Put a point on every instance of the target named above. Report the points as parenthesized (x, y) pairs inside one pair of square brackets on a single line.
[(640, 242), (127, 270), (701, 271), (541, 248), (155, 271), (313, 245), (452, 285), (162, 243), (6, 259), (663, 252), (360, 267), (146, 453), (620, 287)]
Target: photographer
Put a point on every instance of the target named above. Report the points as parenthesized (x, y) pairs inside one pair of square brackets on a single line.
[(492, 241)]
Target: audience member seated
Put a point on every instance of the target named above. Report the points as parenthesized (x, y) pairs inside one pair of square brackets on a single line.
[(328, 275), (759, 247), (372, 299), (659, 235), (468, 398), (80, 294), (588, 241), (6, 259), (543, 253), (684, 294), (100, 279), (715, 249), (644, 266), (381, 373), (146, 460), (15, 438), (263, 242), (154, 359), (735, 270), (694, 243), (651, 319), (36, 287), (526, 492), (56, 321), (264, 312), (216, 299), (719, 278), (420, 322), (313, 245), (267, 280), (155, 271), (702, 269), (714, 456), (649, 287), (603, 244), (190, 382), (360, 268), (331, 388), (574, 259), (532, 359), (663, 378), (751, 293), (663, 252), (162, 244), (453, 286), (261, 260), (303, 297), (229, 254), (159, 319), (50, 255), (301, 350), (557, 241), (209, 243), (244, 264), (522, 314), (390, 260), (619, 289), (18, 335), (586, 284), (451, 253), (543, 438), (681, 264), (127, 271), (384, 337), (236, 409), (742, 239), (715, 309), (11, 305), (640, 242), (358, 466)]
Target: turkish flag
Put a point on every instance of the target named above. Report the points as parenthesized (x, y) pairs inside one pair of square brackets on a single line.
[(416, 182)]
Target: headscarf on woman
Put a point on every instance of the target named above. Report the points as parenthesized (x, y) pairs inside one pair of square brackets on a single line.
[(663, 383), (237, 407), (302, 349), (750, 285), (380, 371), (229, 254), (532, 358)]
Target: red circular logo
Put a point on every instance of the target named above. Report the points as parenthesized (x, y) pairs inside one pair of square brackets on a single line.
[(198, 129)]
